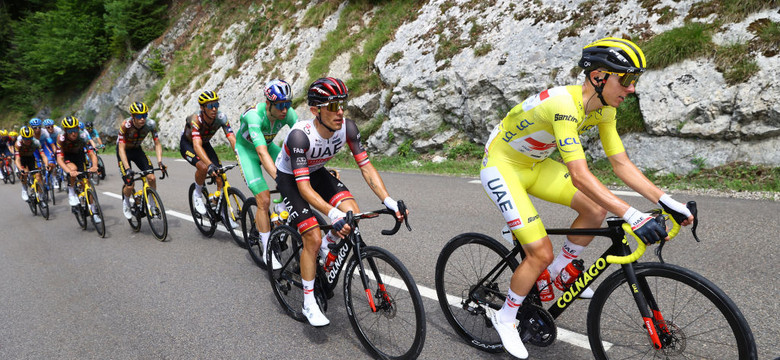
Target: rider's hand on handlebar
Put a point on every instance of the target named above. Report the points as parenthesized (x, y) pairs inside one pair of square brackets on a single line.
[(339, 223), (681, 214), (128, 178), (645, 226), (393, 205), (212, 170)]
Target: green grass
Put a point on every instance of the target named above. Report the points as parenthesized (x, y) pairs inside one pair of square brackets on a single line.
[(629, 118), (691, 41), (735, 62)]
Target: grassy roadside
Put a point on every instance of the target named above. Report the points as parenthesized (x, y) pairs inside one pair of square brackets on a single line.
[(730, 177)]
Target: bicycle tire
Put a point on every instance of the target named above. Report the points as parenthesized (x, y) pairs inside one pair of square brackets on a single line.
[(81, 216), (11, 176), (135, 219), (462, 263), (43, 205), (50, 188), (386, 333), (101, 168), (206, 224), (231, 210), (688, 302), (286, 244), (101, 226), (250, 232), (155, 214), (95, 178)]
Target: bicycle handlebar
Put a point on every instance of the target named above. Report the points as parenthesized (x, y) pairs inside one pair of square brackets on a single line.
[(138, 175), (351, 218), (640, 250), (221, 170)]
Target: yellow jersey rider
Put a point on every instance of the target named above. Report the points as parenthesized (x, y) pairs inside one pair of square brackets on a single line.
[(517, 164)]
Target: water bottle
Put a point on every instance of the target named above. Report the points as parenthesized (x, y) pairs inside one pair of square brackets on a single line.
[(569, 273), (329, 261), (543, 284)]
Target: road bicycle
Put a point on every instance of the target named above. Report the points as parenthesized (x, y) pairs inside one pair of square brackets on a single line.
[(381, 298), (252, 234), (7, 167), (148, 204), (36, 195), (48, 185), (643, 310), (224, 206), (101, 169), (88, 206)]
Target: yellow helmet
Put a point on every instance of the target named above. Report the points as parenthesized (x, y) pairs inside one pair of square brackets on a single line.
[(70, 122), (3, 132), (13, 134), (27, 132), (614, 54), (138, 108), (207, 96)]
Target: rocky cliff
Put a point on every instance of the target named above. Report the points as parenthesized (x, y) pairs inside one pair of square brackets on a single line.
[(453, 70)]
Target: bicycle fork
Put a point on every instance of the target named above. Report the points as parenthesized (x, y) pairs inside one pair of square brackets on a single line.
[(382, 291), (653, 320)]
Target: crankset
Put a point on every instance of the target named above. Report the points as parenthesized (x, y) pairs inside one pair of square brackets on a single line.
[(536, 325)]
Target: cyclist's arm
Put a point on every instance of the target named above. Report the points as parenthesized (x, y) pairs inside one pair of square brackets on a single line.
[(586, 182), (266, 161), (93, 158), (121, 148), (254, 128), (228, 131), (158, 150), (197, 142), (369, 172)]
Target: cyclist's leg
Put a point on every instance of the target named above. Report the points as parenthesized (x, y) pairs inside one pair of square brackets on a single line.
[(252, 172), (214, 160), (336, 194), (128, 189), (302, 216), (554, 185), (141, 160), (187, 152)]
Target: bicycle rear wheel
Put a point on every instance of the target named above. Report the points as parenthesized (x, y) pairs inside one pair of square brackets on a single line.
[(701, 321), (81, 215), (462, 264), (231, 214), (100, 227), (250, 232), (50, 187), (155, 214), (396, 330), (205, 223), (286, 244), (11, 175), (135, 219)]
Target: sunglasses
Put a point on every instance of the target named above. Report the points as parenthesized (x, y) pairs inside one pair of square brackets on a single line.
[(284, 105), (334, 106), (140, 116), (212, 106), (71, 131), (626, 80), (35, 127)]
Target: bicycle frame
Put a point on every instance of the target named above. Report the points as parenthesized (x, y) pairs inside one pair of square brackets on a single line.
[(143, 191), (616, 230), (222, 194)]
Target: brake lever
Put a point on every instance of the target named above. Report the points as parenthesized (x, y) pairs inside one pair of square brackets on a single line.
[(402, 210), (691, 205)]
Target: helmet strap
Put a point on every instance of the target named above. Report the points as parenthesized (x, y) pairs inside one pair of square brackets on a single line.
[(319, 118), (600, 87)]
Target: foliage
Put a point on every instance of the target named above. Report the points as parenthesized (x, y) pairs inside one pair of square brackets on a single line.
[(131, 24), (687, 42), (466, 150), (735, 62), (629, 117)]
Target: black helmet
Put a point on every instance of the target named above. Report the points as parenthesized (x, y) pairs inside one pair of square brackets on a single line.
[(613, 54), (325, 90)]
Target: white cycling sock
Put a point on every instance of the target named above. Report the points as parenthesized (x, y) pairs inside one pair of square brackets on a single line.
[(198, 189), (71, 192), (308, 293), (508, 312), (569, 252), (264, 238)]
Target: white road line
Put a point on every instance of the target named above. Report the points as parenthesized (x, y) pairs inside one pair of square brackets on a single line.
[(616, 192), (564, 335)]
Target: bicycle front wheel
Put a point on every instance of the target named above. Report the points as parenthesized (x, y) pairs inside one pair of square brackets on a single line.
[(286, 245), (205, 223), (463, 296), (250, 232), (700, 321), (155, 214), (231, 214), (50, 188), (43, 204), (394, 327), (99, 222)]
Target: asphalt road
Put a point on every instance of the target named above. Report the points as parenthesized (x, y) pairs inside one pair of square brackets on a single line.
[(67, 293)]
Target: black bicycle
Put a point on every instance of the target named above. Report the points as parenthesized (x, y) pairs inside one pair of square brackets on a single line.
[(148, 204), (382, 300), (252, 234), (643, 310), (224, 206)]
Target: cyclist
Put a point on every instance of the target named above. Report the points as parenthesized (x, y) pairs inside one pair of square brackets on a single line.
[(132, 133), (5, 148), (90, 127), (25, 149), (517, 163), (254, 147), (46, 141), (54, 132), (303, 180), (72, 145), (195, 146)]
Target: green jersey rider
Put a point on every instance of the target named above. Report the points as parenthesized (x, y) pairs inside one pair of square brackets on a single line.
[(254, 147)]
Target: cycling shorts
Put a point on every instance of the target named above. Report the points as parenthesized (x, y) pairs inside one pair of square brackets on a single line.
[(508, 186), (79, 159), (137, 156), (29, 162), (326, 185), (251, 167), (187, 151)]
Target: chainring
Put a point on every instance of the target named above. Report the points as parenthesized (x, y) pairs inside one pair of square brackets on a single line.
[(536, 325)]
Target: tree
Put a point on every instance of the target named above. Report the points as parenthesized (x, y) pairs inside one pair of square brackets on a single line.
[(131, 24)]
